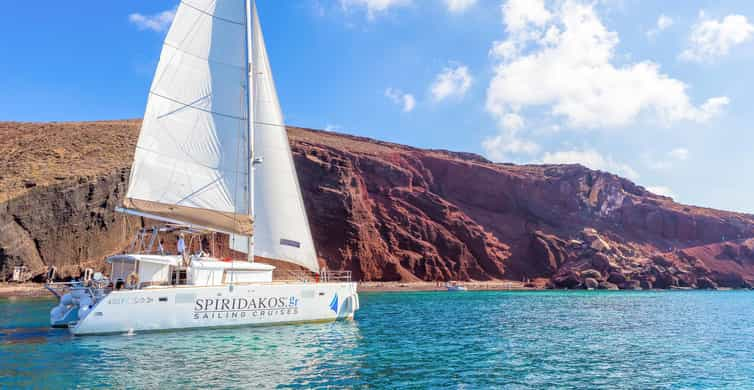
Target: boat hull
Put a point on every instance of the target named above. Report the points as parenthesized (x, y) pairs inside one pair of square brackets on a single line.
[(175, 308)]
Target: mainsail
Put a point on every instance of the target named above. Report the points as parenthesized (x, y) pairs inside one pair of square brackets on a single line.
[(191, 161), (193, 154), (281, 227)]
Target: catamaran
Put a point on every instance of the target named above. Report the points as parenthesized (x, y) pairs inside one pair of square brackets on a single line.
[(212, 158)]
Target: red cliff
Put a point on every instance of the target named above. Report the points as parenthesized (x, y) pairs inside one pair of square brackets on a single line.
[(390, 212)]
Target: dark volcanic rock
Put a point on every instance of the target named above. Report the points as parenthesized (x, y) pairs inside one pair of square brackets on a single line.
[(630, 285), (591, 273), (706, 283), (568, 280), (591, 283), (388, 212), (86, 227), (617, 278)]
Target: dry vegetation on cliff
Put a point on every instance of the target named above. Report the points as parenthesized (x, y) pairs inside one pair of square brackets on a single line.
[(390, 212)]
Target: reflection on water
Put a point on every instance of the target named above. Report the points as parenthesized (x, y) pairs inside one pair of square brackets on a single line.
[(32, 335), (471, 340), (243, 357)]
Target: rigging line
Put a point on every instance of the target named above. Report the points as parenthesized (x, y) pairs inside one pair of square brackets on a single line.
[(173, 57), (269, 124), (212, 15), (198, 191), (176, 48), (181, 108), (185, 105)]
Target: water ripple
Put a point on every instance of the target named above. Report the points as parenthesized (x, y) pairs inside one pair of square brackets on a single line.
[(416, 340)]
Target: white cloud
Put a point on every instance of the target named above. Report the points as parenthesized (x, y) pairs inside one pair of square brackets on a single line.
[(457, 6), (713, 107), (451, 82), (712, 38), (406, 100), (500, 147), (518, 14), (562, 59), (661, 190), (157, 22), (663, 23), (374, 7), (409, 102), (669, 160), (680, 154), (513, 121), (333, 127), (591, 159)]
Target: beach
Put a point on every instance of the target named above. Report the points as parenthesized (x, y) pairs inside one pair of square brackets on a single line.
[(23, 290), (37, 290)]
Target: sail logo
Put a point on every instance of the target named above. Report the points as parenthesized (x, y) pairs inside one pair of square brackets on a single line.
[(334, 303), (292, 243)]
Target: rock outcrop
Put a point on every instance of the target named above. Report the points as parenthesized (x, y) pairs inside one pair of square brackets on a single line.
[(390, 212)]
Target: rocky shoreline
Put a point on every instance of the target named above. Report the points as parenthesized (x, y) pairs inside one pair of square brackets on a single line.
[(37, 290)]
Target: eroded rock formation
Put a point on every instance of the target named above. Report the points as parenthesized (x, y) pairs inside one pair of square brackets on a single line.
[(390, 212)]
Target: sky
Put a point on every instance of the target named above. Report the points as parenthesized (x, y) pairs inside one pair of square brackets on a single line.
[(658, 92)]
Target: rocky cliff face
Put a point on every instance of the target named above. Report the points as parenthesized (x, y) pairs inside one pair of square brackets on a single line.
[(390, 212)]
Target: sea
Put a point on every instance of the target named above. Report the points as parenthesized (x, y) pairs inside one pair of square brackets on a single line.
[(415, 340)]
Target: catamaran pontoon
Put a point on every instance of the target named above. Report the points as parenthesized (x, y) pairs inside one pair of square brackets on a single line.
[(212, 155)]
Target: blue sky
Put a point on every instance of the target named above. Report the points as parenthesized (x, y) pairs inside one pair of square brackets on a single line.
[(659, 92)]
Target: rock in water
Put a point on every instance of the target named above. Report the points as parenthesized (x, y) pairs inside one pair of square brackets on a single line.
[(591, 283)]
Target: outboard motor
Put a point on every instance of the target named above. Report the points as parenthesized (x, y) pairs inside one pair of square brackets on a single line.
[(65, 312), (74, 305), (86, 304)]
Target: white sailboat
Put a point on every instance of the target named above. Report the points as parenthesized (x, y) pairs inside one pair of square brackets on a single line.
[(212, 158)]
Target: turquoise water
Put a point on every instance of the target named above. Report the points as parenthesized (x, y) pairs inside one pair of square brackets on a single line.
[(640, 340)]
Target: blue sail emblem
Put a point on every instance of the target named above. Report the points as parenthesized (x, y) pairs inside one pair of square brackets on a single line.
[(334, 303)]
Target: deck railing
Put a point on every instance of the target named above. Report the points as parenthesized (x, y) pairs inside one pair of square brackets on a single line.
[(335, 276), (309, 277)]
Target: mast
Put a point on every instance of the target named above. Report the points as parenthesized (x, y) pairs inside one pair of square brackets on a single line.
[(250, 115)]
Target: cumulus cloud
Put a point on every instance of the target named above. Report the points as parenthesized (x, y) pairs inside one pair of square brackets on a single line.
[(500, 147), (680, 154), (508, 141), (661, 190), (457, 6), (405, 100), (451, 82), (591, 159), (156, 22), (333, 127), (711, 39), (668, 160), (373, 7), (520, 14), (663, 23), (562, 59)]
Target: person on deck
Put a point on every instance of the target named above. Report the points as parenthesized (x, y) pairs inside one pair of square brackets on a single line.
[(182, 247), (161, 247)]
